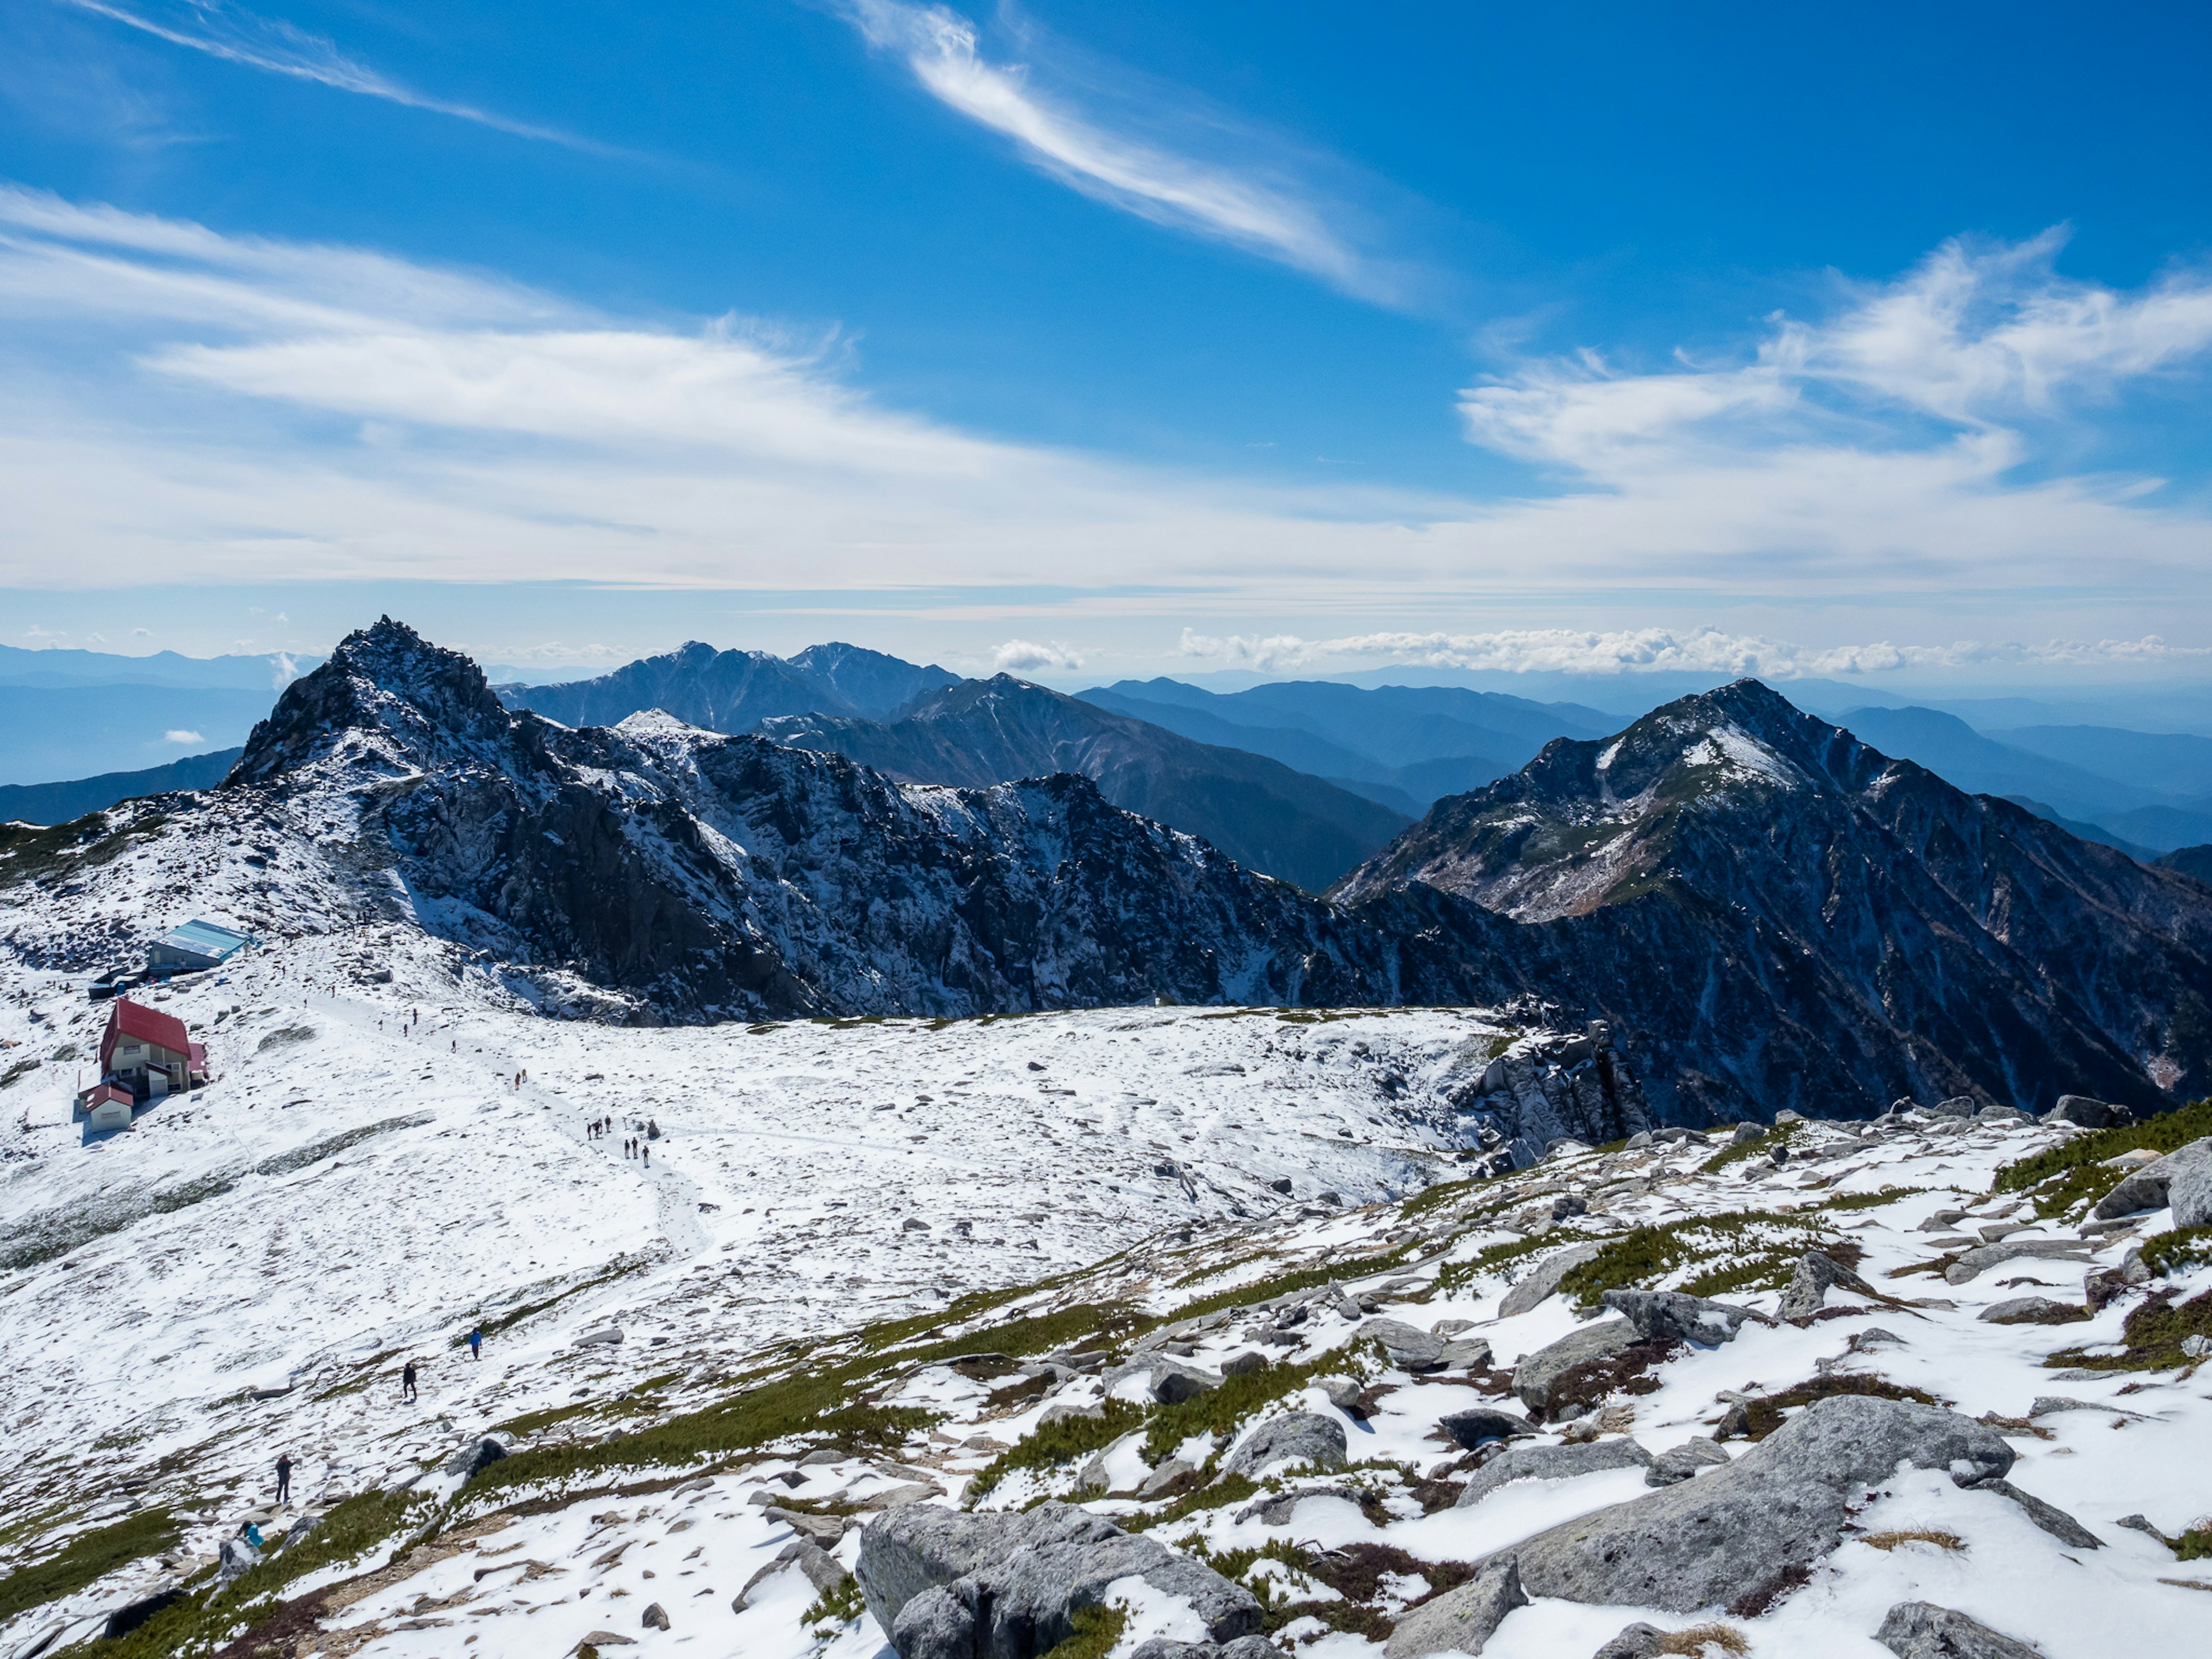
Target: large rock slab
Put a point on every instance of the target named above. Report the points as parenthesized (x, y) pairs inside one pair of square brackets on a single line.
[(1168, 1380), (1921, 1630), (1673, 1315), (916, 1548), (2081, 1110), (1972, 1264), (2150, 1187), (1408, 1346), (1543, 1281), (1022, 1603), (1462, 1619), (1294, 1437), (1534, 1376), (1738, 1531), (1552, 1463), (2191, 1196)]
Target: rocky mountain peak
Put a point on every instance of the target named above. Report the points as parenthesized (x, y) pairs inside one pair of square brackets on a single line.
[(411, 698)]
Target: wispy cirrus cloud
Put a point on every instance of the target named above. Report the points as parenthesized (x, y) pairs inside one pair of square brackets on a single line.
[(1272, 216), (180, 404), (278, 47)]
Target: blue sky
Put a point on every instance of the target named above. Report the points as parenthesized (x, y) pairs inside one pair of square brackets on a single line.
[(1097, 339)]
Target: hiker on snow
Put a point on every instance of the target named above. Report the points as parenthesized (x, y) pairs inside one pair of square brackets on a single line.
[(283, 1476), (476, 1344), (407, 1381)]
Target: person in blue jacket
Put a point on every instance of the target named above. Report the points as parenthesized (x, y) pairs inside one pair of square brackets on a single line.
[(476, 1344)]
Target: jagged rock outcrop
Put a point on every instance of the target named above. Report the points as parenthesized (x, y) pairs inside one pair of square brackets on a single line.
[(1260, 812), (692, 875), (1565, 1087), (1777, 915)]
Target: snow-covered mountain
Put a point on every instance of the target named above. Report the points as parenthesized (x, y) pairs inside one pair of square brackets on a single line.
[(1781, 914)]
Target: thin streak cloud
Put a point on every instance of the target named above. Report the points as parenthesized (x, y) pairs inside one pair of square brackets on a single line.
[(1270, 218), (270, 44)]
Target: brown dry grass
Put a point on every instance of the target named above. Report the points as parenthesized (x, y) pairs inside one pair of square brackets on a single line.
[(1890, 1540), (1694, 1642)]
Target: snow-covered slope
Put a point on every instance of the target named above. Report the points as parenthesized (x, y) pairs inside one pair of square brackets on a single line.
[(835, 1212)]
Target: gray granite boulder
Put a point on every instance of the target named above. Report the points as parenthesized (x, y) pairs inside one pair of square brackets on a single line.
[(1534, 1376), (1816, 1275), (1542, 1281), (1481, 1424), (1921, 1630), (2191, 1196), (913, 1549), (1462, 1619), (1552, 1463), (1023, 1601), (2081, 1110), (1740, 1531), (2149, 1188), (1409, 1347), (1673, 1316), (1294, 1437), (1682, 1462)]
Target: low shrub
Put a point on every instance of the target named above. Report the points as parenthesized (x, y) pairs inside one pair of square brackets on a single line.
[(1748, 1251), (87, 1557), (2151, 1338), (2063, 1177), (1058, 1443)]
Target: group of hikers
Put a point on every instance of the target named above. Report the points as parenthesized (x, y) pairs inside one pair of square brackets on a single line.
[(637, 1146)]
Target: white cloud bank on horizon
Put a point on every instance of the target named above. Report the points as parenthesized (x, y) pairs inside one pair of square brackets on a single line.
[(180, 406), (1659, 650), (1027, 657), (1273, 217)]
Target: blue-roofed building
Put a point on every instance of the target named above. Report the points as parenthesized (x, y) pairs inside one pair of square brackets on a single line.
[(194, 945)]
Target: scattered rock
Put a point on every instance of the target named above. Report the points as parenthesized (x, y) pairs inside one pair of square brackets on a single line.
[(1957, 1106), (2049, 1517), (1544, 1280), (1167, 1379), (2081, 1110), (1061, 1410), (822, 1528), (655, 1616), (1409, 1348), (473, 1459), (1741, 1534), (1462, 1619), (1026, 1574), (1638, 1641), (1275, 1508), (1295, 1437), (1746, 1131), (1682, 1462), (235, 1556), (1973, 1263), (2191, 1196), (1244, 1363), (1165, 1479), (606, 1336), (1816, 1275), (1479, 1424), (2033, 1310), (1672, 1315), (1341, 1392), (1921, 1630), (1534, 1376), (1552, 1463)]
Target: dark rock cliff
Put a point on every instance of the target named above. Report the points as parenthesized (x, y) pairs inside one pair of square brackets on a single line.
[(1780, 915)]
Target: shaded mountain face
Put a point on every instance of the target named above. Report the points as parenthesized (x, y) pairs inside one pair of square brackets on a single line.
[(1404, 746), (735, 690), (875, 686), (1786, 917), (979, 732), (60, 803), (655, 869)]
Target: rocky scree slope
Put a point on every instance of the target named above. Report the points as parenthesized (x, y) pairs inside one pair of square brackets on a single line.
[(1781, 916), (1261, 813), (690, 875), (1892, 1395)]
